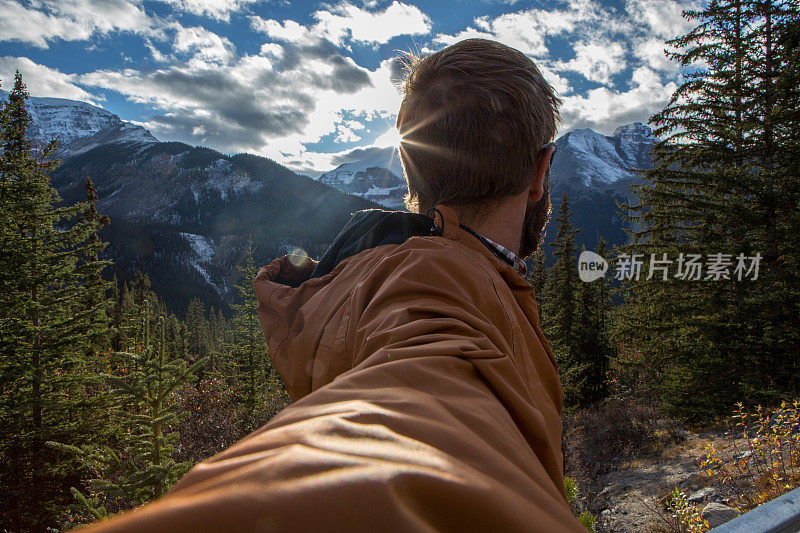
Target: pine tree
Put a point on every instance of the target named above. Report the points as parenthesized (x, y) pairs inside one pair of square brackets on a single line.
[(141, 467), (592, 336), (538, 278), (126, 319), (259, 393), (605, 349), (724, 181), (560, 308), (147, 410), (51, 297), (174, 327), (95, 298), (198, 328)]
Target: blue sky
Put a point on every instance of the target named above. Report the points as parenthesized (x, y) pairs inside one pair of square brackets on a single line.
[(306, 82)]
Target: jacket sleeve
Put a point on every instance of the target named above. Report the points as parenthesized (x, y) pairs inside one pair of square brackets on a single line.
[(434, 308), (422, 434)]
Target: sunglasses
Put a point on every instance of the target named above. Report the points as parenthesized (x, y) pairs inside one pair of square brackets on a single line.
[(544, 147)]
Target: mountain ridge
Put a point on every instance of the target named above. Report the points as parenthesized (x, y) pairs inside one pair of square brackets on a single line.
[(377, 175), (186, 215), (593, 169), (78, 126)]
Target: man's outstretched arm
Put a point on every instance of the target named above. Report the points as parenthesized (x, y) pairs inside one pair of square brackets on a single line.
[(423, 434)]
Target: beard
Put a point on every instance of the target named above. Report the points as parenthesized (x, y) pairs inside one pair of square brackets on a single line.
[(536, 216)]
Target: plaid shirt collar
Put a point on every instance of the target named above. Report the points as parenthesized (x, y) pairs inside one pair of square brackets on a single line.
[(506, 255)]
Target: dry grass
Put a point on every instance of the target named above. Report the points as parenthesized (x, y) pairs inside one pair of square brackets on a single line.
[(768, 465), (758, 462)]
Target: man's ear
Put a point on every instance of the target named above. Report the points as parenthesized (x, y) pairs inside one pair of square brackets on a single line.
[(536, 190)]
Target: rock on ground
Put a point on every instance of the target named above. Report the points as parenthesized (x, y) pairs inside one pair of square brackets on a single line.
[(701, 495), (717, 514)]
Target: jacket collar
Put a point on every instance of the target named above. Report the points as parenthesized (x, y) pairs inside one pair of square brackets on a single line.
[(370, 228)]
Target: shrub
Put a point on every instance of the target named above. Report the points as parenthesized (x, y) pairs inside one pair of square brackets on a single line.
[(209, 425), (585, 517), (571, 488), (770, 466), (599, 438), (686, 516)]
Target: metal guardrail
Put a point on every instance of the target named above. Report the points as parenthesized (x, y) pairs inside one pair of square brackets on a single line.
[(781, 515)]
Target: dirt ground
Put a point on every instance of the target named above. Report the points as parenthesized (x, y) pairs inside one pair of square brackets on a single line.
[(630, 498)]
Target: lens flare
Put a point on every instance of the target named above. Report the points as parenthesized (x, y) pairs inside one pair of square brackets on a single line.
[(407, 142), (298, 257)]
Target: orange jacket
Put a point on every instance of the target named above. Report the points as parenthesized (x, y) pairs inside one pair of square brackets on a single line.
[(425, 399)]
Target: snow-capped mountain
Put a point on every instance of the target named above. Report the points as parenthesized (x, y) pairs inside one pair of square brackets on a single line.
[(373, 173), (593, 169), (184, 215), (79, 126), (589, 160), (585, 160)]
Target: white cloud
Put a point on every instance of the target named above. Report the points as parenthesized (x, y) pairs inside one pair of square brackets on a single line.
[(156, 54), (70, 20), (260, 103), (354, 124), (345, 134), (651, 52), (597, 61), (661, 19), (204, 44), (288, 30), (302, 88), (273, 50), (378, 99), (190, 44), (469, 33), (216, 9), (42, 80), (346, 22), (655, 22), (559, 83), (527, 30), (368, 27), (603, 110), (606, 41)]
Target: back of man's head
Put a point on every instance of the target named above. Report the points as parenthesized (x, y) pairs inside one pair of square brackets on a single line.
[(472, 119)]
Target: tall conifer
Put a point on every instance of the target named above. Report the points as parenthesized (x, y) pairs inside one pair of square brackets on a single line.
[(560, 308), (259, 393), (724, 181), (52, 293), (592, 336)]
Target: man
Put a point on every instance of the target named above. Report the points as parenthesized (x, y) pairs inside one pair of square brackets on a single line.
[(425, 395)]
